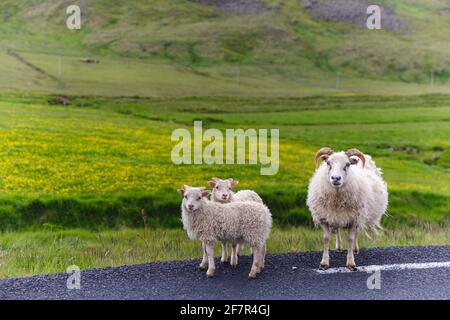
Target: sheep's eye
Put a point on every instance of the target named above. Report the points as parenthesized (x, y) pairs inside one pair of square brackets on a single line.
[(199, 198), (185, 197), (329, 163), (217, 188)]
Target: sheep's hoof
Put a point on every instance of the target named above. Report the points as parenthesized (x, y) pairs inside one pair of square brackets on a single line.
[(203, 266), (356, 251), (210, 273), (339, 250), (252, 275), (234, 265), (324, 266), (352, 267)]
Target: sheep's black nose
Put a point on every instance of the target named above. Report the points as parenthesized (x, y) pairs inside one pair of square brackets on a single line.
[(336, 178), (191, 206)]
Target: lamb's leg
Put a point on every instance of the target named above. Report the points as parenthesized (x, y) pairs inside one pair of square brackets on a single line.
[(210, 253), (338, 240), (239, 249), (257, 261), (224, 257), (351, 248), (234, 255), (204, 263), (325, 263)]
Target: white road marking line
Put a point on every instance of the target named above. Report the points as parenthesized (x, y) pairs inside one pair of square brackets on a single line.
[(383, 267)]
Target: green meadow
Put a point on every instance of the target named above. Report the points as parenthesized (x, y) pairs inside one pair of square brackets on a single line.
[(97, 162)]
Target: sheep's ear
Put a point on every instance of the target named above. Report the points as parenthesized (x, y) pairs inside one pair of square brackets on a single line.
[(233, 183), (205, 193), (182, 191), (212, 183), (354, 160)]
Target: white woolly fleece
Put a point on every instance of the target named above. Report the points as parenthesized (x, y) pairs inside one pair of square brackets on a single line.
[(246, 195), (235, 222), (361, 201)]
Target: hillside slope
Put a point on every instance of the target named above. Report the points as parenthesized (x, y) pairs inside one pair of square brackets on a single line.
[(256, 45)]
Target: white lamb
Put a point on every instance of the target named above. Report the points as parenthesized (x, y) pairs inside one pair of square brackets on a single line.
[(235, 222), (345, 194), (222, 192)]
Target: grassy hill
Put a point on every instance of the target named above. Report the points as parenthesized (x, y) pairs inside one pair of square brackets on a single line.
[(225, 47)]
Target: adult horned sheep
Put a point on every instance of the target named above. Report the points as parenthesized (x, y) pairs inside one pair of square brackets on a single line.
[(344, 193), (234, 222)]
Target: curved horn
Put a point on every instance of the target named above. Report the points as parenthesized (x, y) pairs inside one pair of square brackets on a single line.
[(356, 152), (323, 154)]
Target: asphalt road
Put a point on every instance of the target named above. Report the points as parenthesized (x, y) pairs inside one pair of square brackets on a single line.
[(406, 273)]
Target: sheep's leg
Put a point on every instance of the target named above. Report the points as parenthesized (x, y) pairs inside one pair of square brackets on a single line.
[(263, 262), (234, 255), (325, 263), (351, 248), (257, 261), (338, 240), (356, 245), (204, 263), (224, 257), (210, 253)]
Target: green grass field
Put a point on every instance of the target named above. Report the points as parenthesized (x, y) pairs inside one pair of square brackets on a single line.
[(119, 76), (97, 162)]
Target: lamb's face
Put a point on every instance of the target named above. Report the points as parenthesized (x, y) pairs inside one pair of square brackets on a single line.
[(221, 191), (338, 167), (192, 198)]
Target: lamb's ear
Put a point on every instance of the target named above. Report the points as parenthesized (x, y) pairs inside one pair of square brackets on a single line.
[(205, 193), (354, 160), (233, 183), (212, 183), (182, 191)]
